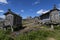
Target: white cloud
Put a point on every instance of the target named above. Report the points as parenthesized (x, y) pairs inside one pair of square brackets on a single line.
[(36, 2), (42, 11), (58, 6), (22, 10), (2, 16), (4, 1), (1, 11)]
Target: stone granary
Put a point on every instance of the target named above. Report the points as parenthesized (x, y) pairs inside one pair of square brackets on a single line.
[(12, 20), (51, 17)]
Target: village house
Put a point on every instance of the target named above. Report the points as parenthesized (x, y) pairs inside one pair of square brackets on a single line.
[(12, 20), (51, 17)]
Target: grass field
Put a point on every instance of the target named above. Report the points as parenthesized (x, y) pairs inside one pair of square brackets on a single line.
[(41, 34)]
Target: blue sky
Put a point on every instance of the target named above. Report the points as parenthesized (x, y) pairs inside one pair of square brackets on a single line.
[(27, 7)]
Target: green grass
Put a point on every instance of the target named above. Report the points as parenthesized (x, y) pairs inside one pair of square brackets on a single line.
[(41, 34), (4, 35), (36, 35)]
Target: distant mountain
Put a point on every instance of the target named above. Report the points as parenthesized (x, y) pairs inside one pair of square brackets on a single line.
[(1, 19)]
